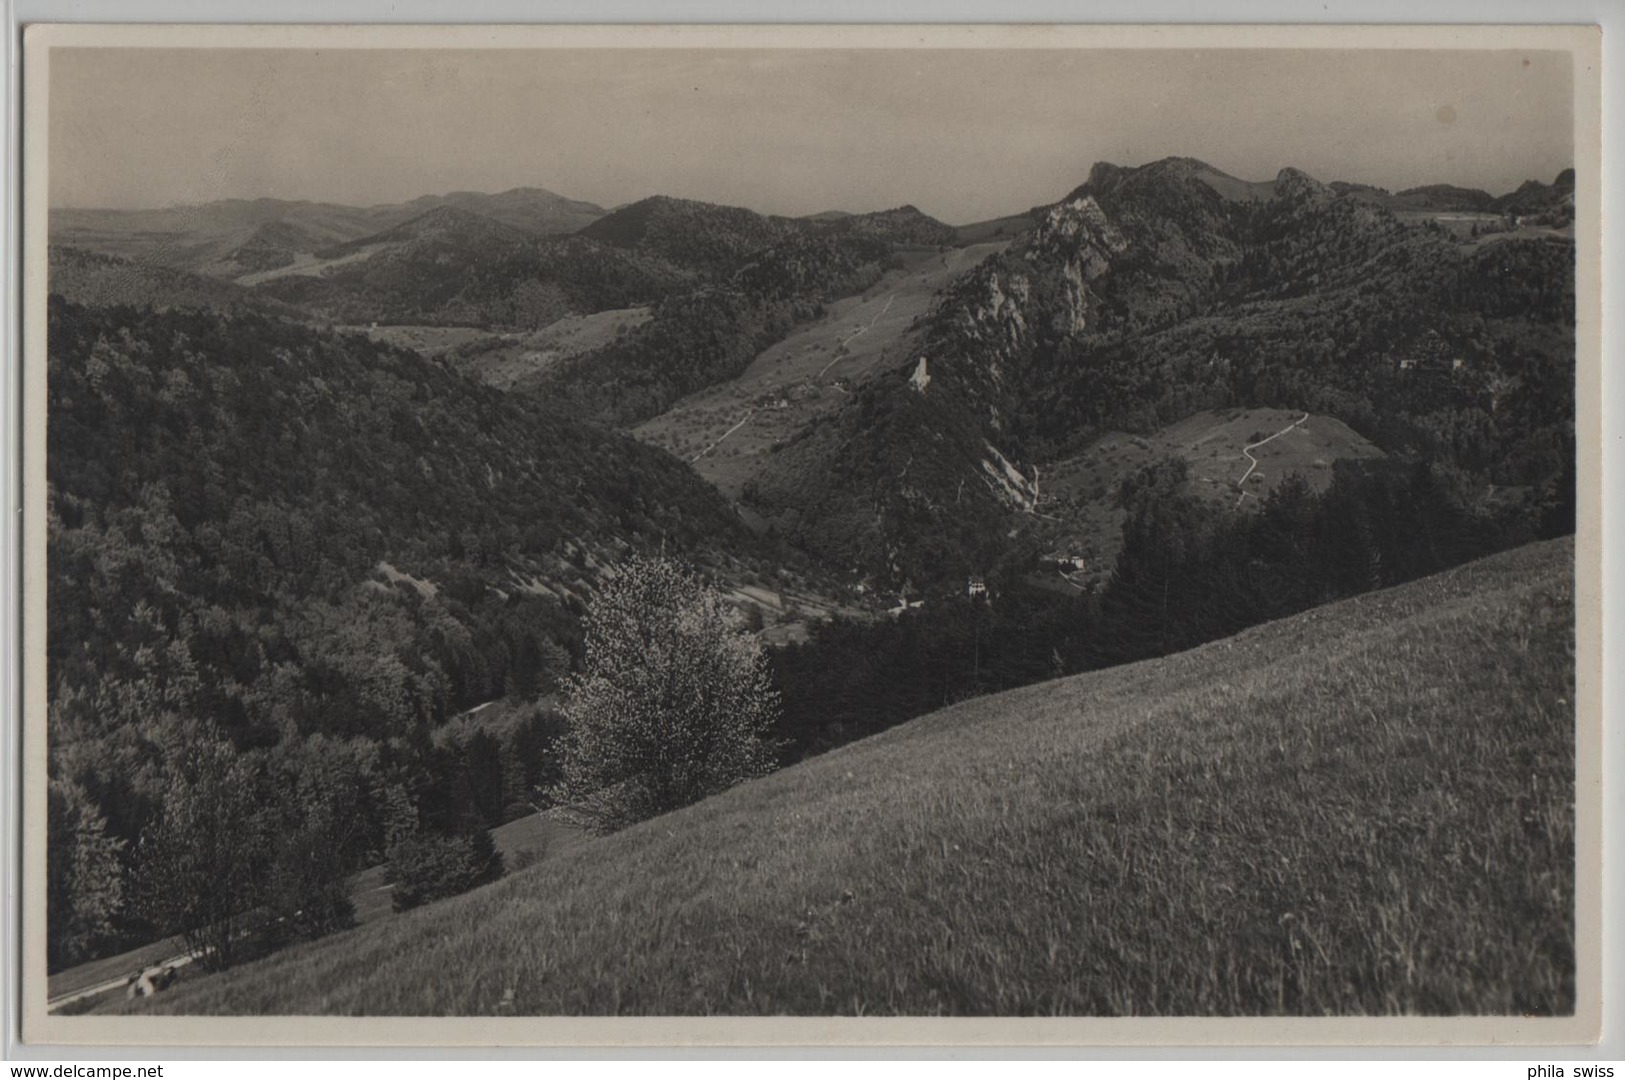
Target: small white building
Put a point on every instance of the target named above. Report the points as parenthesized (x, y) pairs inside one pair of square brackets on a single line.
[(921, 377)]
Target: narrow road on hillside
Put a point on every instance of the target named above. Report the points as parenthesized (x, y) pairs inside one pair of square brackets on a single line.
[(854, 335), (840, 345), (724, 435), (533, 832), (110, 985), (1247, 452)]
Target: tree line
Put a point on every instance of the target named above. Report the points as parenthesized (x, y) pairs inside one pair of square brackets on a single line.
[(1183, 576), (241, 851), (234, 850)]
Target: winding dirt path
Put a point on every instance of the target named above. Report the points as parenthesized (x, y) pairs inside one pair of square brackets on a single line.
[(724, 435), (1247, 452), (114, 984), (841, 345), (854, 335)]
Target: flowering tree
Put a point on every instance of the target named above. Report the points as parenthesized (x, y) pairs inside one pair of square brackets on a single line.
[(202, 865), (672, 704)]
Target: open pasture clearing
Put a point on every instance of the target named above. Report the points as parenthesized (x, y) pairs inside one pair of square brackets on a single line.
[(310, 264), (502, 358), (430, 341), (809, 373), (1490, 228), (1080, 494)]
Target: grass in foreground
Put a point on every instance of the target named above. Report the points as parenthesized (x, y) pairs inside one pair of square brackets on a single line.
[(1367, 808)]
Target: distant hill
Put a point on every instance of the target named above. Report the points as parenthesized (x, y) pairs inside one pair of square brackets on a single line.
[(443, 229), (270, 246), (904, 226), (206, 236), (1311, 818), (1105, 178), (451, 266), (1533, 196), (698, 235), (1442, 197), (1229, 187), (534, 210), (222, 216), (997, 229), (1530, 197), (454, 266), (89, 277)]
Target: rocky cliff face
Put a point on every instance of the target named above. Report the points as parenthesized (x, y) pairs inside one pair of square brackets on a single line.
[(986, 332), (1296, 186)]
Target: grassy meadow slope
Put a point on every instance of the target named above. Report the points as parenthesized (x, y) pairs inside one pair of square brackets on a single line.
[(727, 430), (1367, 808)]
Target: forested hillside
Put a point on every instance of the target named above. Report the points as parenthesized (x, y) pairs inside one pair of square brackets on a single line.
[(292, 542), (94, 278), (701, 236)]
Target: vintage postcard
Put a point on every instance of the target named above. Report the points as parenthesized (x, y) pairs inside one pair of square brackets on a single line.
[(805, 535)]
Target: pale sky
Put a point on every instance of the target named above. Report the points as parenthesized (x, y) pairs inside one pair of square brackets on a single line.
[(963, 134)]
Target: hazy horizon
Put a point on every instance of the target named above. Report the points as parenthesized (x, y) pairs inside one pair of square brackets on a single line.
[(964, 135)]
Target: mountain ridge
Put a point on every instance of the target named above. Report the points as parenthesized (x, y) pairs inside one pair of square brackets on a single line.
[(1126, 307)]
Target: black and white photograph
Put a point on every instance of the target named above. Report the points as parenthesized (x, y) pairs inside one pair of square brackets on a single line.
[(541, 529)]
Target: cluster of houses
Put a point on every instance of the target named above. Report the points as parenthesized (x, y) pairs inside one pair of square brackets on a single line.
[(976, 587), (1431, 354)]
